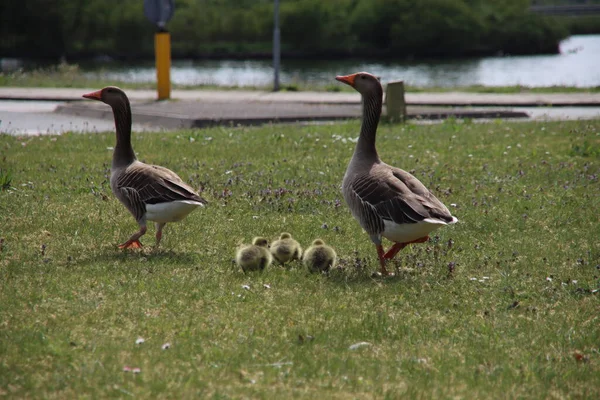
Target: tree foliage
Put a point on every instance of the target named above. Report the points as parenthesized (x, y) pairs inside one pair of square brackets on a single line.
[(81, 28)]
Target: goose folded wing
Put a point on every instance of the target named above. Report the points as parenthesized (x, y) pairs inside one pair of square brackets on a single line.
[(132, 200), (399, 197), (176, 184), (154, 186), (417, 197), (385, 201)]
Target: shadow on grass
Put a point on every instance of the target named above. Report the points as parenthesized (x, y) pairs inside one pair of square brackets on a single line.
[(145, 257), (359, 271), (412, 266), (353, 278)]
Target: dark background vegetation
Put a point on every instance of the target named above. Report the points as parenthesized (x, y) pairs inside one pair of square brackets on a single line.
[(78, 29)]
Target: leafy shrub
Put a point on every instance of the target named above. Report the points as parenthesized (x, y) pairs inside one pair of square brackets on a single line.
[(389, 27), (5, 179)]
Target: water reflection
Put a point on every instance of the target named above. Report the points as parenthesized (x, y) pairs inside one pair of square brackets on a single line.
[(576, 65)]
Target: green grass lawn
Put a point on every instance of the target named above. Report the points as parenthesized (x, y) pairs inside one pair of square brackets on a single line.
[(504, 304)]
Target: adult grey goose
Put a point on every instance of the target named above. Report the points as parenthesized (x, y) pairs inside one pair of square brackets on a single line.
[(150, 192), (387, 201)]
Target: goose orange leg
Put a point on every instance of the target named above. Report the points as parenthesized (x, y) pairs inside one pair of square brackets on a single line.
[(381, 255), (396, 247), (133, 242), (159, 228)]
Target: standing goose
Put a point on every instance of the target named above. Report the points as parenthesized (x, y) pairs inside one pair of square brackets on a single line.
[(149, 192), (387, 201)]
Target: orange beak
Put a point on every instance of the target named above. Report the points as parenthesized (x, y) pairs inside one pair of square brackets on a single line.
[(348, 79), (94, 95)]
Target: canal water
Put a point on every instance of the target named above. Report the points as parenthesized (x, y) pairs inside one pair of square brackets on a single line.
[(576, 65)]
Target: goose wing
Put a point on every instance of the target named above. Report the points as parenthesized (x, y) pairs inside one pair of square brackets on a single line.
[(140, 184), (398, 196)]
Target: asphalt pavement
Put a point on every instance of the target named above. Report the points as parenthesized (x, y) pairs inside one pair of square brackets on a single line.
[(39, 118), (416, 99), (57, 110)]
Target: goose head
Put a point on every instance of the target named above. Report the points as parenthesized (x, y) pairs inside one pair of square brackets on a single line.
[(285, 235), (111, 95), (318, 242), (118, 101), (363, 82)]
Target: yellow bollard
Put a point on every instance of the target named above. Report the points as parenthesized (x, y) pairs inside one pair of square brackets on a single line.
[(162, 52)]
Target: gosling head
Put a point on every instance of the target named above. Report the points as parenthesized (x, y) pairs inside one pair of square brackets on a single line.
[(260, 241)]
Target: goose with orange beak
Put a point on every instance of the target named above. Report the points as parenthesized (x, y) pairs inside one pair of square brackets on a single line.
[(149, 192), (387, 202)]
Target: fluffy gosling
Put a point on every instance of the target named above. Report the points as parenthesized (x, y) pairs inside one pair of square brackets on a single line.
[(286, 249), (319, 257), (254, 257)]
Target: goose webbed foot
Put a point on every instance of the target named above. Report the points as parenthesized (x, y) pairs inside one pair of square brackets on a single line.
[(131, 244), (134, 242)]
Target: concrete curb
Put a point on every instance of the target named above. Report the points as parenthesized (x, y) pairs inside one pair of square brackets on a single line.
[(172, 121), (443, 99), (176, 122), (469, 114)]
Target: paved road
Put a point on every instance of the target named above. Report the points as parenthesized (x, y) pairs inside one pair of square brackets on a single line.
[(50, 117), (415, 99), (39, 118), (562, 113), (54, 111), (202, 113)]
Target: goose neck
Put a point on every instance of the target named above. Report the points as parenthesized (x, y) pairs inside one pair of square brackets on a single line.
[(123, 154), (371, 113)]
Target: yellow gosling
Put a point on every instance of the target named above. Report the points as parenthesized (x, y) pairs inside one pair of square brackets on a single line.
[(254, 257), (286, 249), (319, 257)]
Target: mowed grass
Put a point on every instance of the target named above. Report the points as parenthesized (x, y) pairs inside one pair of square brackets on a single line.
[(504, 304)]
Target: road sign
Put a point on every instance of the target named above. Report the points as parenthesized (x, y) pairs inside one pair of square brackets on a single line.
[(276, 46), (159, 12)]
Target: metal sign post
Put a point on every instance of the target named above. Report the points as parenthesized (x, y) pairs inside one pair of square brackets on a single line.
[(162, 54), (159, 12), (276, 46)]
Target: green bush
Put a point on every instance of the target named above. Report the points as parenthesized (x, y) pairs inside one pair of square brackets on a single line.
[(582, 25), (5, 179), (80, 28), (437, 27)]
